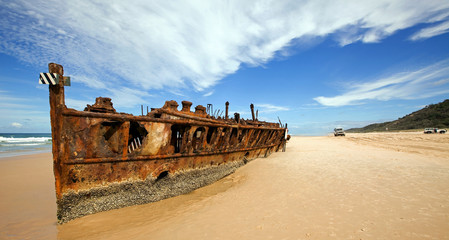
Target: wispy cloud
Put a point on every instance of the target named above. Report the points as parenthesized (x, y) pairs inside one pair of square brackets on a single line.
[(268, 108), (420, 83), (127, 97), (91, 81), (208, 94), (77, 104), (16, 125), (431, 31), (8, 102), (19, 109), (177, 44)]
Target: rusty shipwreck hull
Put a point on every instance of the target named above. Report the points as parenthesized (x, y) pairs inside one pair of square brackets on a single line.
[(106, 160)]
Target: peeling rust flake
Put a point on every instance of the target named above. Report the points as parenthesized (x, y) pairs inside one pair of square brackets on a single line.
[(105, 160)]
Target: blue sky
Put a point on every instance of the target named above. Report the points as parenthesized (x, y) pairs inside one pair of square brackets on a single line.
[(314, 64)]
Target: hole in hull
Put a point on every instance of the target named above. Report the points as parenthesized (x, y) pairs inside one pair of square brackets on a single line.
[(162, 175), (245, 158)]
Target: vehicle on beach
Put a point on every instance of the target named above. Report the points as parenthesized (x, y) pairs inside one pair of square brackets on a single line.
[(434, 130), (339, 132), (429, 130), (104, 160)]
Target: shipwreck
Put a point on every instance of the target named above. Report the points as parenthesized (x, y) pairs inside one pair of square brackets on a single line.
[(106, 160)]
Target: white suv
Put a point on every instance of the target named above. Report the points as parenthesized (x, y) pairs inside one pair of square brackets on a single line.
[(339, 132)]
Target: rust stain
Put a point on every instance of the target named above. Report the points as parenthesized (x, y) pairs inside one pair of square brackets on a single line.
[(105, 160)]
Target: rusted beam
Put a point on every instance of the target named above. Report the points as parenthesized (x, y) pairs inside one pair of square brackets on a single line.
[(193, 120), (157, 157)]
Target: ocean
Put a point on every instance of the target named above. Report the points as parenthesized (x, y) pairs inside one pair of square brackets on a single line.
[(12, 144)]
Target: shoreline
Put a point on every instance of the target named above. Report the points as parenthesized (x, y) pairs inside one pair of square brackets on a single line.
[(23, 153)]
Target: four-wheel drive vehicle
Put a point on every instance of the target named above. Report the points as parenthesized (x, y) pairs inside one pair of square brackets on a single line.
[(339, 132), (428, 130), (434, 130)]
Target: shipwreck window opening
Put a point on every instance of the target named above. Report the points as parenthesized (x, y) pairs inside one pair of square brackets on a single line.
[(274, 137), (254, 137), (177, 132), (270, 136), (197, 138), (243, 135), (210, 132), (221, 140), (137, 134), (162, 175), (111, 134), (263, 138), (278, 136), (249, 138), (234, 137), (198, 133)]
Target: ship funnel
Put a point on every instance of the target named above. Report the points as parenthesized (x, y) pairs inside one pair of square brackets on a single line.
[(186, 106)]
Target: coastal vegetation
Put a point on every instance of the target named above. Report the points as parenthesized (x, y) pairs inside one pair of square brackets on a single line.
[(431, 116)]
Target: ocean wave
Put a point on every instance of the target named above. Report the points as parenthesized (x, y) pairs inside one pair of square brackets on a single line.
[(35, 140), (21, 144)]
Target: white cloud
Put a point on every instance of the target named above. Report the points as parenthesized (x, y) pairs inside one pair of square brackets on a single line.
[(208, 94), (420, 83), (90, 81), (178, 44), (267, 108), (122, 97), (10, 103), (16, 125), (18, 109), (431, 31), (77, 104), (125, 97)]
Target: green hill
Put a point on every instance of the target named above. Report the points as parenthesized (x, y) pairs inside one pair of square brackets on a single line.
[(432, 116)]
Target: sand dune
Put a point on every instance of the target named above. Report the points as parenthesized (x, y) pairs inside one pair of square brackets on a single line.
[(362, 186)]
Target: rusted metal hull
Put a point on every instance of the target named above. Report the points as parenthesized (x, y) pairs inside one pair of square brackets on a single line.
[(106, 160)]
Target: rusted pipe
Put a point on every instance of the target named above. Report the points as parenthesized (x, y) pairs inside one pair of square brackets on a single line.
[(227, 108), (252, 111)]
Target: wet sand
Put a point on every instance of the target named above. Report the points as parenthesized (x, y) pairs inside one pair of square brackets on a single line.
[(362, 186)]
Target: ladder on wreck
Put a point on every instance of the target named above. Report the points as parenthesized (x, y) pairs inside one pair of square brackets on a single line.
[(134, 145)]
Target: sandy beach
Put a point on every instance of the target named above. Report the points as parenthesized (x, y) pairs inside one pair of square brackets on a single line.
[(362, 186)]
